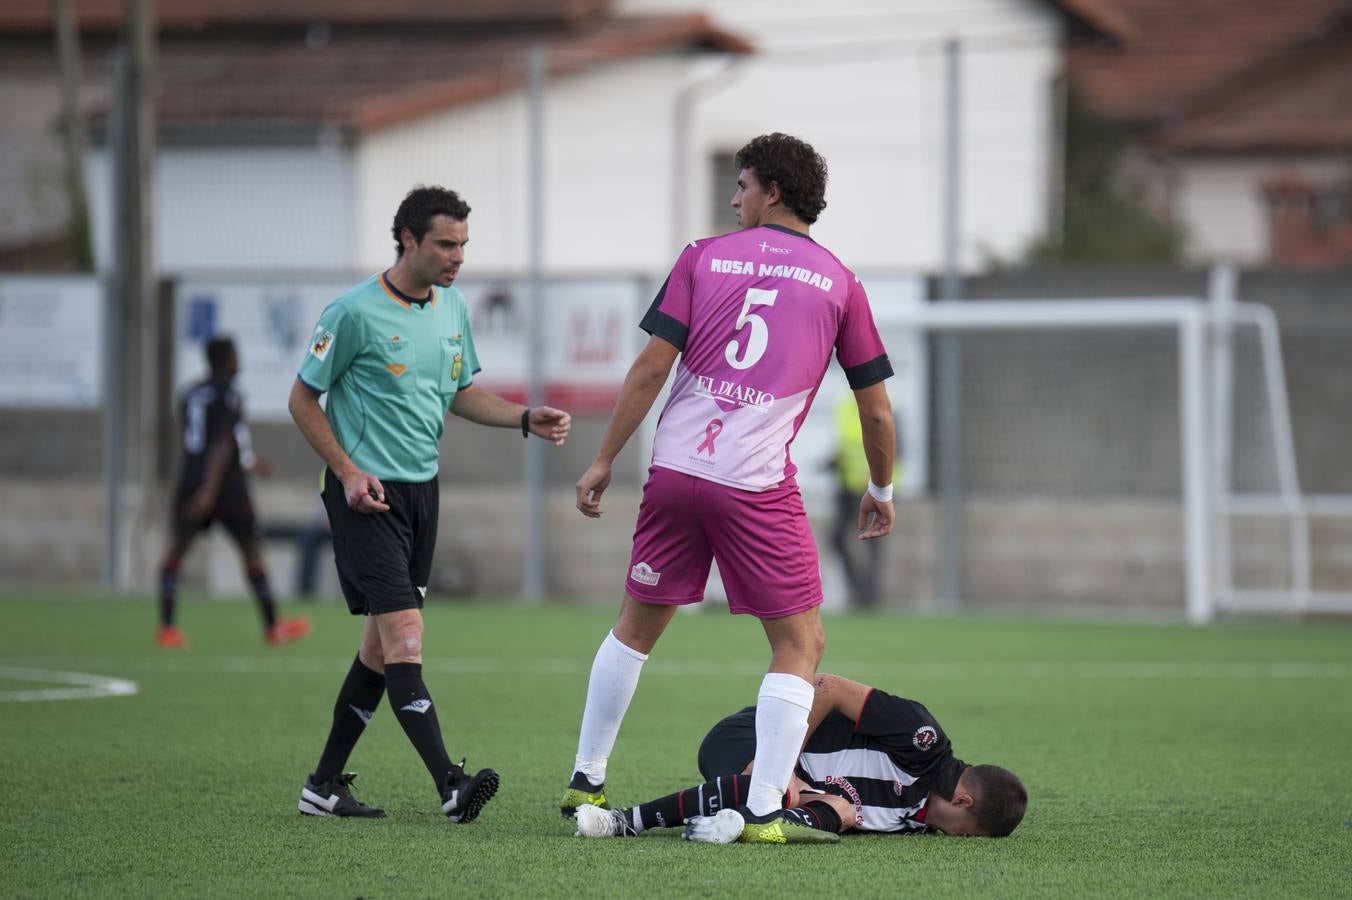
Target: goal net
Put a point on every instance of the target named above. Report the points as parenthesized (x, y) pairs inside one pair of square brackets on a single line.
[(1067, 459), (1125, 455)]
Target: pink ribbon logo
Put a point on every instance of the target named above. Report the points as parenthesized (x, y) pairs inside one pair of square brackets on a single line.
[(711, 431)]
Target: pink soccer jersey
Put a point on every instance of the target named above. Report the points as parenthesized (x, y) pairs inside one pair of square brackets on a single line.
[(755, 315)]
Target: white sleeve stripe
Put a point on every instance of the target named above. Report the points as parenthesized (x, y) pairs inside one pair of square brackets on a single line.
[(855, 763)]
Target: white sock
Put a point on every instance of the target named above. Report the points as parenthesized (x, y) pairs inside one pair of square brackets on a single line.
[(781, 725), (614, 675)]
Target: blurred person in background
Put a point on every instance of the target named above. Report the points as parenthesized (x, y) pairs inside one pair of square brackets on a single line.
[(213, 487), (394, 354), (754, 317), (862, 564), (871, 761)]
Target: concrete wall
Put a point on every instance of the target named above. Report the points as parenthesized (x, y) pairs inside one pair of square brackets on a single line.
[(1120, 556), (1105, 380), (33, 202)]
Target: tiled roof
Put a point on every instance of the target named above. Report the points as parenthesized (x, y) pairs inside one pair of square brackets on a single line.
[(1101, 15), (1292, 105), (1181, 50), (35, 16), (365, 82)]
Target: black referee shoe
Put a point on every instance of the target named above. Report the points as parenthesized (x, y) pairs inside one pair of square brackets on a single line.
[(464, 795), (333, 797)]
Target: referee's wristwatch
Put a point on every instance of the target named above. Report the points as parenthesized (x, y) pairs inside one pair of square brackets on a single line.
[(525, 423)]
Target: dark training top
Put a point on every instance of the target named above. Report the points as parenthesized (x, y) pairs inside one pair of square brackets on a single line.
[(212, 411)]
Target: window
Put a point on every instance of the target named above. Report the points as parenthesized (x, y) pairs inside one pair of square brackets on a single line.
[(722, 186)]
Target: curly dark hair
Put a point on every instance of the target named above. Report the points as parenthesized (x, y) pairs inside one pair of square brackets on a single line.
[(1001, 799), (792, 164), (419, 207)]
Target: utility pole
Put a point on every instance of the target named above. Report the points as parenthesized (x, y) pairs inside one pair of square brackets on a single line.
[(132, 300), (145, 299), (537, 485), (73, 131), (949, 346)]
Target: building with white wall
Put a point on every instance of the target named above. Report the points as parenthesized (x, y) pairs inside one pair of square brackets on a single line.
[(283, 154), (1224, 101), (866, 82)]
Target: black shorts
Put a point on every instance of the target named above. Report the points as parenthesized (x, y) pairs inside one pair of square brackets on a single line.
[(730, 746), (384, 559), (234, 510)]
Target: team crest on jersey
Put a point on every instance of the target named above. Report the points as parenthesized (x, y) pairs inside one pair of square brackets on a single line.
[(644, 574), (925, 737), (322, 342)]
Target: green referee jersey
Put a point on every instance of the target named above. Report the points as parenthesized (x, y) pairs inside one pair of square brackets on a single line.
[(391, 369)]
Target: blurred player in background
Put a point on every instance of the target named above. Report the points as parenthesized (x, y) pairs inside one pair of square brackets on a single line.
[(213, 487), (871, 762), (394, 354), (754, 316)]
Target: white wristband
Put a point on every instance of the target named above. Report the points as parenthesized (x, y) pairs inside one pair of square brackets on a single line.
[(881, 494)]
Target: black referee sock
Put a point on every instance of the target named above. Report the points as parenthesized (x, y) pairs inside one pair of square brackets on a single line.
[(728, 792), (413, 707), (357, 701)]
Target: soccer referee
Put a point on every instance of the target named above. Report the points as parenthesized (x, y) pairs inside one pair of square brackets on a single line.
[(393, 354)]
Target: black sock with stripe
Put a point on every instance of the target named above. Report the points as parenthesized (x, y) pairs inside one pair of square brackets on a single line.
[(413, 707), (816, 814), (356, 704), (728, 792)]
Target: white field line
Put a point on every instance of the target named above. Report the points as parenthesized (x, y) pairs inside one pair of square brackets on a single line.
[(1160, 670), (87, 686)]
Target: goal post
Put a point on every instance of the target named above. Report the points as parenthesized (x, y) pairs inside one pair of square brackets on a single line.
[(1186, 318)]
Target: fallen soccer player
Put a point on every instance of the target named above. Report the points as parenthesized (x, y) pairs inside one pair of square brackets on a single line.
[(872, 761)]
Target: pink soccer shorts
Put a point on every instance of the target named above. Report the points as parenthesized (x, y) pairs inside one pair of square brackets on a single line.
[(764, 546)]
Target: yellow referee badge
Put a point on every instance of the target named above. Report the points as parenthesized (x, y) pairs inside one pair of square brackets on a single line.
[(455, 368)]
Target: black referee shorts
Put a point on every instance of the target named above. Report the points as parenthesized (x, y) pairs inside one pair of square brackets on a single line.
[(384, 558), (730, 746)]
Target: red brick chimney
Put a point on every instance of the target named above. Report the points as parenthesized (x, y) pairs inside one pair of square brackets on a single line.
[(1296, 239)]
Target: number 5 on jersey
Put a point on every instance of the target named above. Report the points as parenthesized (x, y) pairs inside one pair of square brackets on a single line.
[(759, 338)]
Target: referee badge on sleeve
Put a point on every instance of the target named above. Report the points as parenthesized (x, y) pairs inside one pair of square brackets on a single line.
[(455, 368), (323, 340)]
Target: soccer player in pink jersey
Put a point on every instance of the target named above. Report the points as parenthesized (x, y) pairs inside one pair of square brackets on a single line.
[(754, 317)]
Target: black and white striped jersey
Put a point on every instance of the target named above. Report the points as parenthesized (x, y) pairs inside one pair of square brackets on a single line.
[(887, 764)]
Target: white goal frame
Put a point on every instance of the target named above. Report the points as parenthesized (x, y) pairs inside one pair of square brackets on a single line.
[(1187, 317), (1205, 330)]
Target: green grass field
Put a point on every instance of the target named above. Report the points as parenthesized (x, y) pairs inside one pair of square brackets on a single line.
[(1161, 760)]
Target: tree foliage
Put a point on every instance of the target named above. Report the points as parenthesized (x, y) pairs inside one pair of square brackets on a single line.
[(1106, 220)]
